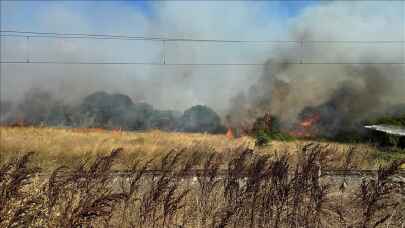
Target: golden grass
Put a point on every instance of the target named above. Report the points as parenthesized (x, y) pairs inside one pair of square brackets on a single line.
[(54, 145), (61, 146)]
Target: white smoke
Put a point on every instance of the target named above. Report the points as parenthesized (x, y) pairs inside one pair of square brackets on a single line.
[(166, 86)]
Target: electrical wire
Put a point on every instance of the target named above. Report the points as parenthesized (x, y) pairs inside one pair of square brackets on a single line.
[(30, 34), (195, 64), (17, 33)]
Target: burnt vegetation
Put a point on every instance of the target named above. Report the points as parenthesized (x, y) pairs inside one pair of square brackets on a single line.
[(246, 189)]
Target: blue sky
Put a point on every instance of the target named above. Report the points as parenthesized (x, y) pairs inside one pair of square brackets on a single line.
[(25, 14), (289, 8)]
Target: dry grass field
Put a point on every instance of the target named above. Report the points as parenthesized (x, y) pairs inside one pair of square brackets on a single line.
[(256, 191), (60, 146), (68, 181), (55, 146)]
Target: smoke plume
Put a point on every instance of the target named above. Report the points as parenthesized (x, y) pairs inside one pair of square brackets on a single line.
[(343, 94), (322, 78)]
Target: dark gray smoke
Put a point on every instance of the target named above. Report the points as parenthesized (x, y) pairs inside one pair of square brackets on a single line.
[(344, 96), (354, 103), (329, 83)]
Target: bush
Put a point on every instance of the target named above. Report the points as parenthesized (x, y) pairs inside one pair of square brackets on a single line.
[(391, 120), (163, 120), (200, 118), (266, 124), (383, 157), (263, 137), (385, 139)]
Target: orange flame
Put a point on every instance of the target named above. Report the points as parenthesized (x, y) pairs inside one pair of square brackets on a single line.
[(306, 127), (117, 130), (310, 121), (229, 134)]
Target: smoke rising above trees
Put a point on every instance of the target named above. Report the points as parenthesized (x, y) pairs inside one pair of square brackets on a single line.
[(358, 77), (344, 94)]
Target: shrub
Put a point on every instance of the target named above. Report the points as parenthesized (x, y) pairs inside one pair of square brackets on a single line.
[(200, 118), (390, 120), (263, 137)]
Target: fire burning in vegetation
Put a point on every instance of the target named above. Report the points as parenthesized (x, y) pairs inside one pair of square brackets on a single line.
[(229, 134), (313, 89), (356, 95), (310, 121), (306, 128)]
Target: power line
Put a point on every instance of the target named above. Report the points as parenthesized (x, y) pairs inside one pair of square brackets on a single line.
[(28, 35), (195, 64), (127, 37), (17, 33)]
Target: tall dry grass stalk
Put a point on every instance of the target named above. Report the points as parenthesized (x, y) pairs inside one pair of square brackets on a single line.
[(246, 189)]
